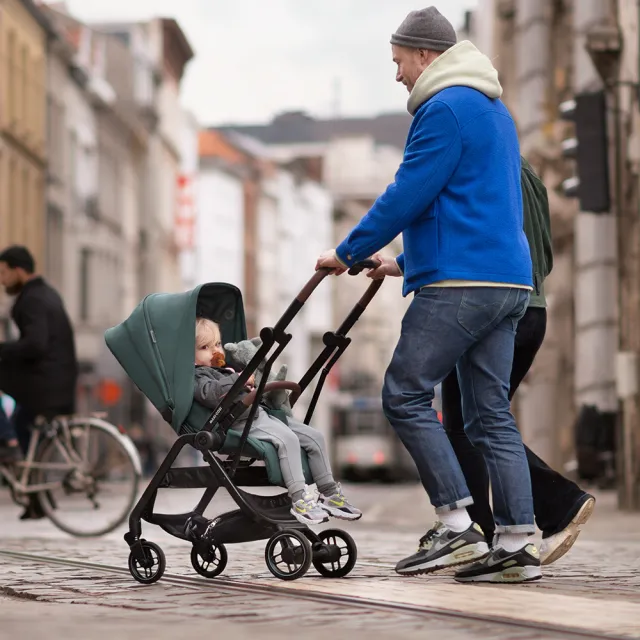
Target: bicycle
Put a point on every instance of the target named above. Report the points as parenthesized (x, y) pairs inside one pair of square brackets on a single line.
[(74, 462)]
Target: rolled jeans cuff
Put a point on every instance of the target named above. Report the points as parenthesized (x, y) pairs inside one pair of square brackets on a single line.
[(458, 504), (529, 529)]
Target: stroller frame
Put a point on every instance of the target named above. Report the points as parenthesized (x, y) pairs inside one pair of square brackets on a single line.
[(257, 517)]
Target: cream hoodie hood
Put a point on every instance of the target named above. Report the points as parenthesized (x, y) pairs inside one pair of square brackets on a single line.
[(460, 66)]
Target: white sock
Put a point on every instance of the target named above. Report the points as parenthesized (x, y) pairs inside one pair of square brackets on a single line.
[(512, 542), (457, 520)]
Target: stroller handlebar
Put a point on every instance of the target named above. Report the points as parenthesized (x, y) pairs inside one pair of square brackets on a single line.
[(272, 386), (359, 267), (322, 273)]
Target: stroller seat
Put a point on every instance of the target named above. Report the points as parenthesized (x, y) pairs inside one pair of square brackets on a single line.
[(253, 448), (265, 452)]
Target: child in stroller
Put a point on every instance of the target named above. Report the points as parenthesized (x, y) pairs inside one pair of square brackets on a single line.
[(213, 381)]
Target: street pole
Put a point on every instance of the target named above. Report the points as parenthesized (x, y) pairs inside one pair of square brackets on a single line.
[(628, 457)]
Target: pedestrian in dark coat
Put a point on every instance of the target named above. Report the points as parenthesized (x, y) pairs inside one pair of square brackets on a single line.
[(39, 370)]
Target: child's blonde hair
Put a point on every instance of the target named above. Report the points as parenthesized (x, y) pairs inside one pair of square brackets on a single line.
[(207, 331)]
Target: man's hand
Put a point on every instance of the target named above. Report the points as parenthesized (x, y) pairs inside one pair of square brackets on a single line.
[(388, 267), (329, 260)]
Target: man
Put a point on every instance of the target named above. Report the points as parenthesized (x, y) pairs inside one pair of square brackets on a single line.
[(559, 505), (457, 201), (39, 370)]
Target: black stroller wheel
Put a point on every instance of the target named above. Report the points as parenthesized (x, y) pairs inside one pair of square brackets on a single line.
[(151, 569), (288, 554), (210, 563), (336, 555)]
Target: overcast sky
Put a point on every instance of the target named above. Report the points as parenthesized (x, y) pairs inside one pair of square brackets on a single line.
[(257, 58)]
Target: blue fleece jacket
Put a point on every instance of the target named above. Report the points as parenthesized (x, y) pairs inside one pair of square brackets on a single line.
[(456, 198)]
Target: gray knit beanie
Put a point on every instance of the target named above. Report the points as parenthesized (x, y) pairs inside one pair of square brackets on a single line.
[(425, 29)]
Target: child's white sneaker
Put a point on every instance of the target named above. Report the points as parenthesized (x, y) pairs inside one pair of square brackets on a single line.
[(339, 507), (308, 511)]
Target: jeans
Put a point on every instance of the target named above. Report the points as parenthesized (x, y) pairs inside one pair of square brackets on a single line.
[(473, 330), (555, 498)]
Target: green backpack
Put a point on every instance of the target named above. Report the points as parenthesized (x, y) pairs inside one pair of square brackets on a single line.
[(537, 225)]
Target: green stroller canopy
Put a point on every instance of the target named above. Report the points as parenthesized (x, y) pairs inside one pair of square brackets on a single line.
[(155, 345)]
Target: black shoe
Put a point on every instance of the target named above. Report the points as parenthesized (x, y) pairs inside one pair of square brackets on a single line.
[(504, 566), (441, 547), (555, 545), (33, 511), (10, 455)]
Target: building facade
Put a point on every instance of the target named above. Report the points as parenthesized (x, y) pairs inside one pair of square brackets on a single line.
[(24, 34)]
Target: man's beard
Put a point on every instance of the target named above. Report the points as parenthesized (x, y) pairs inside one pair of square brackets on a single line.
[(14, 289)]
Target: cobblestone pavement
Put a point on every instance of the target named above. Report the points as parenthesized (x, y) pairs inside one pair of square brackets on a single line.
[(596, 587)]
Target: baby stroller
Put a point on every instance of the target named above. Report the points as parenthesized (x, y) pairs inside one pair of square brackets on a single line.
[(155, 346)]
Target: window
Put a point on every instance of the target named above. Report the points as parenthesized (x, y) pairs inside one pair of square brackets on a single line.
[(25, 211), (123, 36), (25, 106), (54, 246), (143, 78), (73, 167), (85, 284), (13, 202), (55, 115), (13, 76), (109, 185)]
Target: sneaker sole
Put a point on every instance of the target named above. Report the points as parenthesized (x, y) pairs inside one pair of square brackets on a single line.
[(340, 515), (568, 536), (465, 555), (304, 520), (512, 575)]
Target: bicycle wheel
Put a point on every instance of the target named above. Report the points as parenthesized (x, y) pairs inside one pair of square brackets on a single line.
[(94, 477)]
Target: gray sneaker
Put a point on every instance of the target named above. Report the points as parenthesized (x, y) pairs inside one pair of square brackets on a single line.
[(441, 548), (504, 566), (308, 511), (339, 507)]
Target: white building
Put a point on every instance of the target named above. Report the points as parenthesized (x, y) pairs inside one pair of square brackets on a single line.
[(159, 52), (267, 244), (93, 196), (187, 204), (220, 221)]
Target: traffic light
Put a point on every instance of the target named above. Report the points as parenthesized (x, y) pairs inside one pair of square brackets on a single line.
[(589, 148)]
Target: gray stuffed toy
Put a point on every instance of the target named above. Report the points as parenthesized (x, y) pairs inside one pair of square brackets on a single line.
[(239, 354)]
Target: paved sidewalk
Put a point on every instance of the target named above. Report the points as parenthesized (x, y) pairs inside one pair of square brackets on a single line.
[(596, 586)]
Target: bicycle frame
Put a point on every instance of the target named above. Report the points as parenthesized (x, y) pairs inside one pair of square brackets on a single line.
[(56, 431)]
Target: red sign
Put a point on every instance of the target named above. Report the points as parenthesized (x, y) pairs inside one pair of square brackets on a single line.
[(184, 224), (108, 392)]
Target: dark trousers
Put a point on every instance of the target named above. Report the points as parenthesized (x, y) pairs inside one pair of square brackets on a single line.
[(22, 421), (555, 498), (7, 432)]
